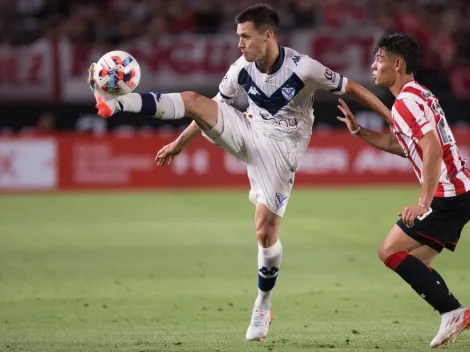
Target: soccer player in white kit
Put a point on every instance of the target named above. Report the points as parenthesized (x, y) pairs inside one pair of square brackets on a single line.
[(270, 137)]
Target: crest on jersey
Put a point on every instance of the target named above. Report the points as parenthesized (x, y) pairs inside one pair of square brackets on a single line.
[(288, 93), (281, 199)]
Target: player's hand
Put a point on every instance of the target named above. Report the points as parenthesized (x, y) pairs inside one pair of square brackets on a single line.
[(410, 213), (348, 117), (168, 153), (106, 104)]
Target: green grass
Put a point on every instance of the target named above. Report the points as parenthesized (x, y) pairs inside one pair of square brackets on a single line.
[(176, 271)]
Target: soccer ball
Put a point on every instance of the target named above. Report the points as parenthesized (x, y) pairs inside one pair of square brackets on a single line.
[(117, 73)]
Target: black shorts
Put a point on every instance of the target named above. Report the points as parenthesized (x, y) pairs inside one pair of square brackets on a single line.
[(443, 226)]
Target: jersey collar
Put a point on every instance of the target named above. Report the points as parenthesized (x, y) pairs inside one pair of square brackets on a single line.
[(278, 63), (408, 84)]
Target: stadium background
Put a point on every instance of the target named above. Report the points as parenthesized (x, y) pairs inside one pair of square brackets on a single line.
[(158, 268)]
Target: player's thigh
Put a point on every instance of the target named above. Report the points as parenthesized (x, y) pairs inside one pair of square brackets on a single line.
[(426, 254), (271, 174), (397, 241), (232, 132)]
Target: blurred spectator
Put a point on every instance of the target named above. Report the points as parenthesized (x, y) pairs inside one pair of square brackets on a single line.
[(46, 124), (441, 26), (181, 18)]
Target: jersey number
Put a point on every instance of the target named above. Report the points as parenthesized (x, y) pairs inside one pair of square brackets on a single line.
[(442, 126), (422, 217)]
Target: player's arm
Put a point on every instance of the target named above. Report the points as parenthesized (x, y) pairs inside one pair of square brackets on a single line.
[(368, 99), (432, 160), (323, 78), (383, 141), (188, 134), (415, 124)]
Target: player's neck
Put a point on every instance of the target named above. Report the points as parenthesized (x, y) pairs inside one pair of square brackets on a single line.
[(400, 82), (268, 63)]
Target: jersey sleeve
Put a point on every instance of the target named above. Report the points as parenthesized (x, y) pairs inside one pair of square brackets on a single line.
[(412, 114), (324, 78), (229, 89)]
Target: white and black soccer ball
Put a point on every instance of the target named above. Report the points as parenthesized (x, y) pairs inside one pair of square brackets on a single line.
[(117, 73)]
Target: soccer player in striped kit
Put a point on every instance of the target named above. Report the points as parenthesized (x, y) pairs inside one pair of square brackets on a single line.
[(420, 133)]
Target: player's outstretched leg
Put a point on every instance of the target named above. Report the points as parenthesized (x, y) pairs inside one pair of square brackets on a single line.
[(269, 263), (397, 254), (169, 106)]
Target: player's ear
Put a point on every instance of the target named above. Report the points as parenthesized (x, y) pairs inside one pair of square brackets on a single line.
[(399, 64), (268, 34)]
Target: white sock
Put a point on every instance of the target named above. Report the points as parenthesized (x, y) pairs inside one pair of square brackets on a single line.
[(162, 106), (269, 262)]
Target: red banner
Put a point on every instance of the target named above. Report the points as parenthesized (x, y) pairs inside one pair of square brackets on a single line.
[(118, 162), (72, 162), (29, 72)]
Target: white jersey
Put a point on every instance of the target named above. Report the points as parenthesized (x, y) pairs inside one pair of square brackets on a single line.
[(281, 102)]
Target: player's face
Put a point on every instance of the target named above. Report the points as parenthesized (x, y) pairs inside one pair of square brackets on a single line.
[(383, 69), (252, 43)]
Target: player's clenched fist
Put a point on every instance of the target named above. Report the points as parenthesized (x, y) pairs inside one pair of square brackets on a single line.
[(168, 153)]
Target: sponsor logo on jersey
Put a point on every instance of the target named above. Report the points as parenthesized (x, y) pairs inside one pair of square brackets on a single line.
[(330, 75), (253, 91), (296, 59)]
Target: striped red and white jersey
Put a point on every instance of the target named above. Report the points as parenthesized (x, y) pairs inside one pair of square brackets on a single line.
[(416, 111)]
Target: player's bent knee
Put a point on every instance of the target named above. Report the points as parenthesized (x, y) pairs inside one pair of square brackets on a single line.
[(394, 260), (267, 225), (201, 109), (386, 251), (382, 253), (266, 234), (189, 99), (262, 235)]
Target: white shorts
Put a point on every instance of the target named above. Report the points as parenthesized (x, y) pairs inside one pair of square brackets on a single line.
[(271, 162)]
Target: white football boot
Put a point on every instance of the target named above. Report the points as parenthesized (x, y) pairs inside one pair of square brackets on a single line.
[(452, 324), (259, 325), (106, 104)]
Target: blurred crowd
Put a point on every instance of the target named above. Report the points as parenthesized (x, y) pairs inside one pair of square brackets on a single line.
[(441, 26)]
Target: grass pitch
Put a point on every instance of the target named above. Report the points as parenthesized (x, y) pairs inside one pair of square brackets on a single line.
[(176, 271)]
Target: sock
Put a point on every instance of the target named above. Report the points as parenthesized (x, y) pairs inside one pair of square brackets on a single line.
[(418, 276), (162, 106), (442, 283), (269, 262)]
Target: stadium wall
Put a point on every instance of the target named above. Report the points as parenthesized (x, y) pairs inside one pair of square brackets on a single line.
[(87, 162)]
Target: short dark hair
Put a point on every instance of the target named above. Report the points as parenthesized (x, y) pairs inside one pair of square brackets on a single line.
[(262, 15), (402, 45)]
